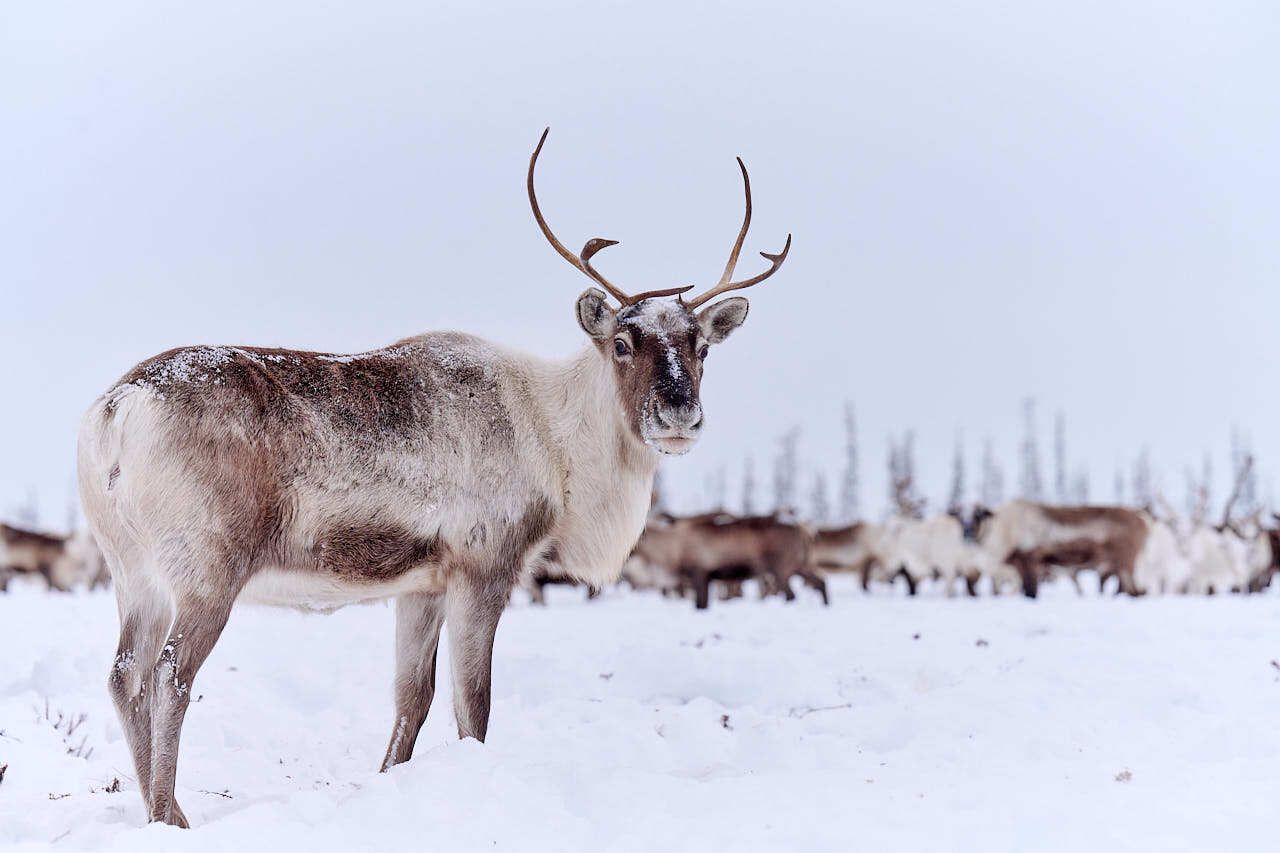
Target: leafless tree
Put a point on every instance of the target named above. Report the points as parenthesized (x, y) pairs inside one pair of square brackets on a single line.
[(1080, 486), (1143, 487), (785, 471), (27, 513), (955, 502), (820, 507), (1118, 488), (717, 485), (849, 481), (1031, 483), (1060, 458), (1206, 480), (73, 505), (749, 486), (992, 488)]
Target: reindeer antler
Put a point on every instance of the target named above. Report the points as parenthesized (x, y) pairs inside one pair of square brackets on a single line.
[(582, 260), (1241, 475), (1165, 508), (775, 261)]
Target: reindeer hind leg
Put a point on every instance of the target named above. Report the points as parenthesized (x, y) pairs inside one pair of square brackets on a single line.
[(816, 582), (145, 615), (197, 625)]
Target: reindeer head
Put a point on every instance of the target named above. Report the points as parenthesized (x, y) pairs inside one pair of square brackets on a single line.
[(657, 345), (977, 526)]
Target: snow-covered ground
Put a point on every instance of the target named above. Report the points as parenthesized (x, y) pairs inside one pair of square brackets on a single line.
[(634, 723)]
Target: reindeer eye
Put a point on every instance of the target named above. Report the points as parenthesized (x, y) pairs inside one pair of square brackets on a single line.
[(702, 352), (620, 348)]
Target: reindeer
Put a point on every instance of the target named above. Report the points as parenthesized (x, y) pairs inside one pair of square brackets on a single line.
[(1262, 579), (845, 549), (30, 553), (82, 563), (732, 550), (919, 549), (641, 575), (433, 471), (1235, 555), (1035, 564), (1227, 560), (1117, 536), (1163, 565), (536, 581), (697, 550)]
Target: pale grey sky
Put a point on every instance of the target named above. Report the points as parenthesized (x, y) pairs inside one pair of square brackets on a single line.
[(989, 200)]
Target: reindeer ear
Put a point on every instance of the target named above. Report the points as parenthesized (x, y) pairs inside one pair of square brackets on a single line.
[(718, 320), (595, 315)]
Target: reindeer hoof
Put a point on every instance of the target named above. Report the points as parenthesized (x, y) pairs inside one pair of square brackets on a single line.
[(172, 816)]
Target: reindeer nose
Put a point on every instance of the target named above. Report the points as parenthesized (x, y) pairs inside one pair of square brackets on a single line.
[(687, 418)]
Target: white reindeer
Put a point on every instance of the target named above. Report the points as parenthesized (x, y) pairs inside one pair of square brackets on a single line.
[(1225, 561), (921, 549), (1163, 565)]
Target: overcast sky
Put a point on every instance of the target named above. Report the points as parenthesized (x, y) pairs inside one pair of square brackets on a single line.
[(1079, 202)]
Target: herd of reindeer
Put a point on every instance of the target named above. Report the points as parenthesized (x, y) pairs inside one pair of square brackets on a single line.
[(1016, 547)]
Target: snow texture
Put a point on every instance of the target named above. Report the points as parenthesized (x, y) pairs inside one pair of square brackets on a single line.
[(633, 724), (660, 318)]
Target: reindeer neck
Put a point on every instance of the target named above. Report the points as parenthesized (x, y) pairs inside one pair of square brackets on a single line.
[(579, 397), (606, 472)]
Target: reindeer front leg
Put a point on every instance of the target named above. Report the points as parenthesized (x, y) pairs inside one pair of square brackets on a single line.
[(473, 606), (418, 620)]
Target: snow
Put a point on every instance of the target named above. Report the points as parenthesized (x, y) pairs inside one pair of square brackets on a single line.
[(660, 318), (391, 352), (635, 723), (657, 316)]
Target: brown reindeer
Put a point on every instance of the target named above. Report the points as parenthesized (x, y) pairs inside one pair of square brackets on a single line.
[(1036, 564), (541, 576), (845, 549), (773, 549), (1041, 535), (434, 471), (28, 553), (1262, 579), (717, 547)]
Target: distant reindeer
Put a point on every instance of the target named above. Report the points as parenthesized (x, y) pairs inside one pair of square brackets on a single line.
[(1262, 579), (717, 547), (536, 581), (851, 548), (1164, 565), (29, 553), (1037, 563), (434, 471), (1040, 536), (82, 564)]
